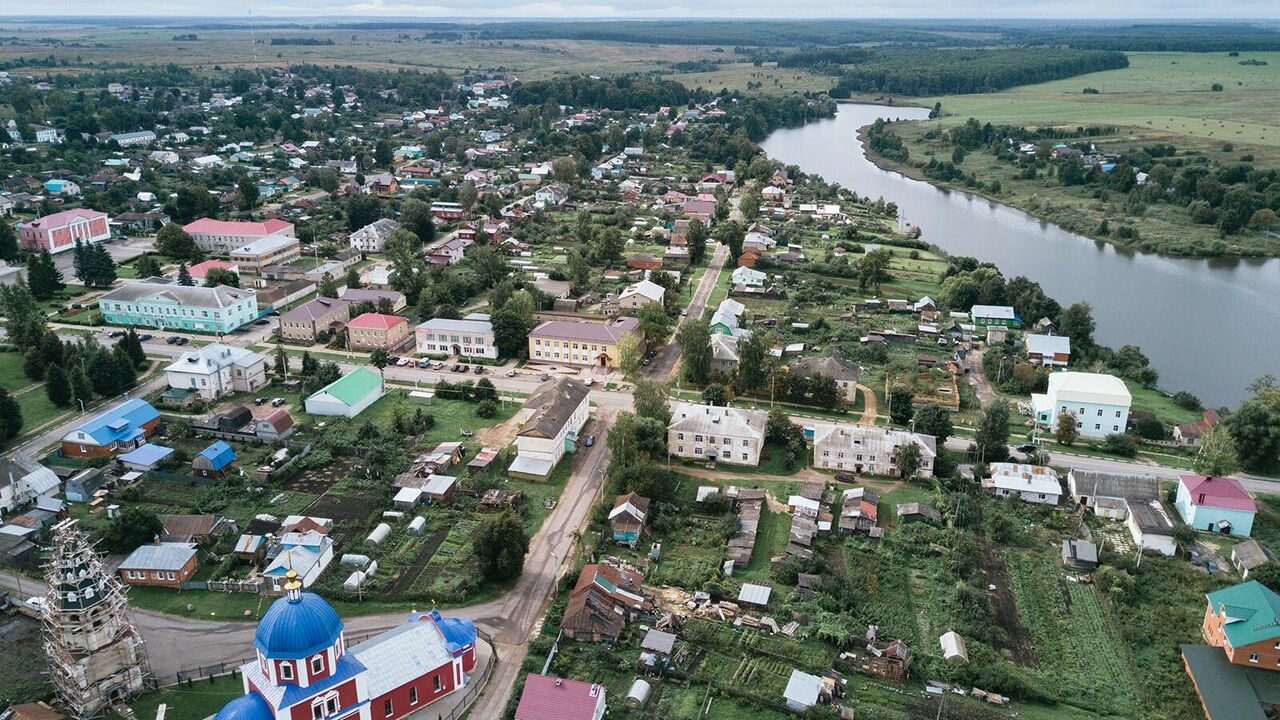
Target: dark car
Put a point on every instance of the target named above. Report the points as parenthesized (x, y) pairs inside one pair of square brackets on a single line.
[(261, 321), (115, 334), (183, 341), (479, 369), (259, 401), (145, 337), (171, 340), (1027, 449), (591, 440)]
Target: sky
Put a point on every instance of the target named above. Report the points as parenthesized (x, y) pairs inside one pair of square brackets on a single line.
[(564, 9)]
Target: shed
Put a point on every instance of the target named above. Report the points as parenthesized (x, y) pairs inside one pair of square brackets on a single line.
[(1080, 554), (953, 649), (1250, 554), (803, 691), (379, 534), (638, 695), (752, 594), (407, 497), (481, 461), (424, 397), (659, 641), (357, 560), (416, 525), (251, 548), (235, 419), (439, 488), (214, 461), (147, 457)]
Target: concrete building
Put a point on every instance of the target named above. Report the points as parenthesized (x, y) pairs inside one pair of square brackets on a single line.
[(216, 370), (161, 303), (61, 230), (220, 236), (347, 396), (472, 336), (372, 331), (1100, 403), (373, 237), (846, 373), (550, 422), (579, 342), (1031, 483), (718, 434), (323, 315), (270, 250), (1215, 504), (868, 448), (636, 296)]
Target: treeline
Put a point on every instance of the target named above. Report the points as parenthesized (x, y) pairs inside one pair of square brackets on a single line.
[(301, 41), (1156, 37), (623, 92), (776, 33), (943, 72)]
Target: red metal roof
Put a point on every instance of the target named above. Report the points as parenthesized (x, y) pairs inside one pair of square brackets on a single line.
[(199, 270), (551, 698), (376, 321), (1218, 492), (230, 227)]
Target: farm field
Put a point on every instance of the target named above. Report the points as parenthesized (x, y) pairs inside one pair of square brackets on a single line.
[(749, 78)]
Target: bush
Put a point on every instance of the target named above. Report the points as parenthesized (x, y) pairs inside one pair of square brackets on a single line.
[(486, 409), (1118, 444), (1187, 401)]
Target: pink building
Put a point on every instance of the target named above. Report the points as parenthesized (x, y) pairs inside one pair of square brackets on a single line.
[(201, 269), (219, 236), (59, 231)]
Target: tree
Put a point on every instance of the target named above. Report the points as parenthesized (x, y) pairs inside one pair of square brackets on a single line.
[(1255, 426), (133, 348), (416, 217), (246, 193), (379, 358), (33, 365), (510, 331), (579, 271), (873, 269), (81, 387), (43, 277), (352, 279), (131, 529), (467, 195), (715, 394), (992, 435), (1067, 433), (184, 276), (382, 154), (696, 241), (630, 354), (500, 545), (1120, 444), (907, 457), (694, 339), (650, 400), (57, 387), (10, 416), (900, 405), (753, 360), (1076, 322), (655, 324), (933, 419), (221, 276), (93, 265), (8, 242), (608, 247), (147, 266), (362, 210), (732, 236), (175, 242), (328, 286), (488, 265), (1217, 455)]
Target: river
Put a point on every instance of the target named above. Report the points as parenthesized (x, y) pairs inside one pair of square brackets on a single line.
[(1209, 326)]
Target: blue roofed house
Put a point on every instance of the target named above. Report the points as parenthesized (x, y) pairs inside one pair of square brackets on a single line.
[(121, 428), (214, 461), (147, 457)]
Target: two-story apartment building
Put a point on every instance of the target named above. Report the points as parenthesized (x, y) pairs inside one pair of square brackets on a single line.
[(60, 231), (373, 237), (219, 236), (579, 342), (720, 434), (376, 330), (868, 448), (269, 250), (322, 315), (160, 303), (549, 424), (216, 370), (472, 336), (1099, 402)]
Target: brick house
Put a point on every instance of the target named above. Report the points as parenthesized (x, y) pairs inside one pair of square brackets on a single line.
[(303, 323), (376, 330), (162, 564), (1244, 620)]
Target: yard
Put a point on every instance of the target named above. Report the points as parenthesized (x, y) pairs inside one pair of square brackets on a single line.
[(188, 701)]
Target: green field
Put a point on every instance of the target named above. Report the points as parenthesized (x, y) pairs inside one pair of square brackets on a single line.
[(746, 77)]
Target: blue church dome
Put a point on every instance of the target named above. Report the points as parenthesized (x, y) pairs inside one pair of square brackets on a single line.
[(246, 707), (296, 626)]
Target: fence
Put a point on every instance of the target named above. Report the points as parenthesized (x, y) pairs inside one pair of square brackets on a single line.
[(476, 686), (230, 586)]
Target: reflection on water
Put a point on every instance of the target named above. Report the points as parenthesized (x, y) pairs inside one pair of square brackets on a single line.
[(1209, 326)]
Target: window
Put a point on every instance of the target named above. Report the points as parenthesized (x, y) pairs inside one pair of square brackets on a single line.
[(286, 671), (436, 683), (1117, 413), (386, 708), (1253, 657), (317, 664), (1099, 412), (1096, 426), (331, 705), (317, 711)]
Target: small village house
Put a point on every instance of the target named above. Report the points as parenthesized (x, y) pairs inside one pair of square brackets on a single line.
[(1215, 504), (214, 461), (627, 518), (1249, 555), (1150, 527), (1107, 493), (1031, 483), (551, 698), (305, 323), (216, 370), (161, 564), (1048, 350), (605, 598), (118, 429)]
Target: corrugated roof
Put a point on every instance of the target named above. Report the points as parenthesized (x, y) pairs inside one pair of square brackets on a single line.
[(159, 556), (1252, 610), (352, 387), (754, 594), (401, 655), (551, 698), (553, 404)]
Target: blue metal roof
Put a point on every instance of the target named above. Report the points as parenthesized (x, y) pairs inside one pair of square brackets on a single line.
[(458, 632), (246, 707), (295, 629), (219, 454), (148, 454), (120, 422)]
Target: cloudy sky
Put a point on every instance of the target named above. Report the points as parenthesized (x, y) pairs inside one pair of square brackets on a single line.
[(304, 9)]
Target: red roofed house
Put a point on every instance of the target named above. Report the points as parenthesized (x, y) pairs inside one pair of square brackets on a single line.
[(1215, 504), (59, 231), (602, 602), (200, 270), (552, 698), (223, 236), (375, 330), (1192, 433)]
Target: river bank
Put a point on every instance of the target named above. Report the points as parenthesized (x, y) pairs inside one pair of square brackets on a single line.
[(1167, 230)]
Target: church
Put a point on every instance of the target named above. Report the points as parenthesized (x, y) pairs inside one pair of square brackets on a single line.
[(305, 671)]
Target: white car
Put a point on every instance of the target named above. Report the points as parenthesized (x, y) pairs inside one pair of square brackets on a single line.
[(404, 361)]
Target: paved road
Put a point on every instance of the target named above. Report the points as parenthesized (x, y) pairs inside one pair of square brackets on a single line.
[(664, 364)]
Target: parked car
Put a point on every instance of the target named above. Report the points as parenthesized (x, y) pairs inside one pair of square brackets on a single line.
[(259, 401), (145, 337), (479, 369), (115, 334), (183, 341), (260, 321), (404, 361), (424, 363), (467, 433), (684, 312), (277, 402), (511, 373), (1027, 448), (171, 340), (845, 477), (546, 376), (591, 440), (589, 381), (437, 365)]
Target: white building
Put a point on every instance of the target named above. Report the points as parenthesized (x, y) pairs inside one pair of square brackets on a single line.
[(868, 449), (720, 434), (1100, 403), (373, 237), (347, 396), (222, 235), (636, 296), (550, 422), (216, 370), (1150, 527), (472, 336), (749, 277), (1032, 483), (1049, 350)]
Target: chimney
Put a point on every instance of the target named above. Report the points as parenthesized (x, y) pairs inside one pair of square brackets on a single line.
[(558, 682)]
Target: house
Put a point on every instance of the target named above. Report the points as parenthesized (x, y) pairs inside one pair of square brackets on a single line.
[(162, 564), (1229, 691), (868, 448), (1192, 433), (1250, 554), (305, 553), (303, 666), (381, 184), (1106, 493), (1244, 620), (219, 236), (347, 396), (550, 421), (308, 321), (844, 372), (1150, 527), (121, 428), (145, 457), (717, 434), (199, 529), (472, 336), (214, 461), (356, 296), (604, 599), (1032, 483), (276, 426), (60, 231), (580, 342), (724, 353), (1079, 554), (161, 303), (1215, 504), (727, 317), (859, 510), (23, 481), (748, 277), (1048, 350), (200, 270), (251, 548), (1099, 402), (802, 691), (216, 370), (137, 137), (1001, 315), (918, 512), (627, 518), (266, 251), (373, 330), (636, 296), (551, 698), (373, 237), (449, 252), (553, 195)]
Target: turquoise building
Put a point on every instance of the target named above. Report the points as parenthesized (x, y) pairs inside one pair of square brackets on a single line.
[(161, 303)]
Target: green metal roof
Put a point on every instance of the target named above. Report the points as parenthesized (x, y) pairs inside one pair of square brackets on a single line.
[(354, 386), (1253, 612), (1224, 689)]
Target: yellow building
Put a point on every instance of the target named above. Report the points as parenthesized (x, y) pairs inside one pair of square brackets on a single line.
[(575, 342)]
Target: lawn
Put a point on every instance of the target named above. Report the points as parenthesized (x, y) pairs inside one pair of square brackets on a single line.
[(452, 416), (772, 535), (196, 701), (766, 79)]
